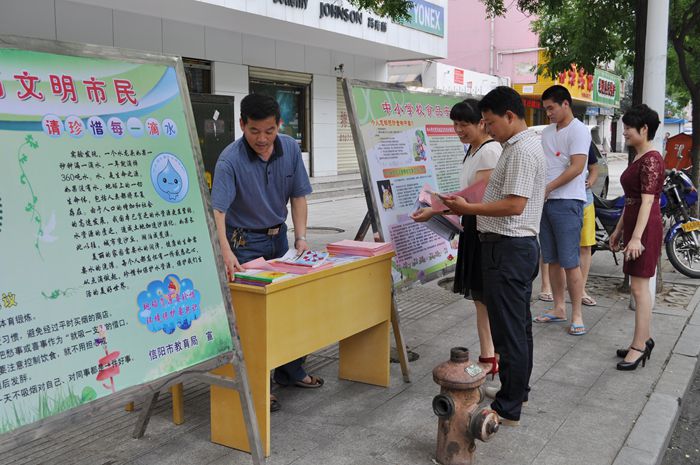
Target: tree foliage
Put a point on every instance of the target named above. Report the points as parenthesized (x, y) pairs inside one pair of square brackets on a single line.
[(589, 33), (684, 35), (584, 32)]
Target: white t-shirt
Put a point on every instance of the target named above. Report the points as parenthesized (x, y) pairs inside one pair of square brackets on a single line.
[(574, 139), (484, 159)]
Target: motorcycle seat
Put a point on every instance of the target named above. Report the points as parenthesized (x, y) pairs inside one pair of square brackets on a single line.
[(608, 215), (609, 204)]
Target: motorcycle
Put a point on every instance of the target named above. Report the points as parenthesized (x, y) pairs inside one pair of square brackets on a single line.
[(682, 232)]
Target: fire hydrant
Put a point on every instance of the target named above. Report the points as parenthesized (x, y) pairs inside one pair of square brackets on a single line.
[(460, 420)]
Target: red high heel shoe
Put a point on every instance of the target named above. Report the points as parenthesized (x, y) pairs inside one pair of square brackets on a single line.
[(493, 371)]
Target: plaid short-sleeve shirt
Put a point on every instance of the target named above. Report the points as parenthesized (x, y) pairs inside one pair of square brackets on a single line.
[(520, 171)]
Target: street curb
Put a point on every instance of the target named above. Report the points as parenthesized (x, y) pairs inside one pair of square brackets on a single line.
[(648, 440)]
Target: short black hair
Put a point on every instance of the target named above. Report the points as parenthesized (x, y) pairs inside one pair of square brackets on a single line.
[(258, 107), (558, 94), (641, 115), (466, 111), (503, 99)]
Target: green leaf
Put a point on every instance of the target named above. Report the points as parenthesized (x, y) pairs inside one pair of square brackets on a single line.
[(88, 394)]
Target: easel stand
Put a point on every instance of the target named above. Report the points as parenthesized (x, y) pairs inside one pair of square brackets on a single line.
[(395, 319), (238, 383)]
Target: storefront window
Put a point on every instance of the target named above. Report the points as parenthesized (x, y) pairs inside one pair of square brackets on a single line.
[(292, 102), (198, 74)]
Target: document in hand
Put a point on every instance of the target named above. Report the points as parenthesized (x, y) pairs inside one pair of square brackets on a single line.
[(445, 226), (472, 194)]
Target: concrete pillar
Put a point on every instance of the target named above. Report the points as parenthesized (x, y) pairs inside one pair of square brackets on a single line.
[(656, 45)]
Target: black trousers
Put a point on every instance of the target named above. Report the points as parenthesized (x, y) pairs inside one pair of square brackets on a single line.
[(510, 264)]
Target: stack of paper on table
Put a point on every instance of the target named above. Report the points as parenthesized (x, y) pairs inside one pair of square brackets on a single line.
[(306, 262), (277, 265), (255, 277), (361, 248)]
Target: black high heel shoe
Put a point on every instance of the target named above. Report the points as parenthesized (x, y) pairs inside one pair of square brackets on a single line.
[(622, 353), (631, 366)]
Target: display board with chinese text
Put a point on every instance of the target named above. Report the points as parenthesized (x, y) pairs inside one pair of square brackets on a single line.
[(405, 140), (109, 279)]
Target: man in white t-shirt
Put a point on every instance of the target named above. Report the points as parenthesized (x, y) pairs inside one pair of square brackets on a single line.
[(565, 142)]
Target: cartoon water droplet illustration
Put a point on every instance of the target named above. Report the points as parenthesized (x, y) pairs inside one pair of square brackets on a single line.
[(169, 181)]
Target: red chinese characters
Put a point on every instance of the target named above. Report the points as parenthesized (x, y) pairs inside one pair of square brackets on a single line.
[(95, 90), (64, 87), (386, 107), (53, 126), (125, 92), (28, 83), (606, 87)]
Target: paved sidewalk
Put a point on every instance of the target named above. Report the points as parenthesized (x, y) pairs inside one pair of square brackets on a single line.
[(581, 411)]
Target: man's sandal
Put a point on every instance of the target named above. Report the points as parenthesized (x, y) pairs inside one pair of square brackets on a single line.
[(316, 382), (548, 318), (577, 330), (274, 404)]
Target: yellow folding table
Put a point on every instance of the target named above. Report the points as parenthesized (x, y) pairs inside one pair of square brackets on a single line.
[(350, 303)]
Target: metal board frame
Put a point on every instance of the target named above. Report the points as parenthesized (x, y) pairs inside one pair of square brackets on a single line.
[(151, 389), (360, 150)]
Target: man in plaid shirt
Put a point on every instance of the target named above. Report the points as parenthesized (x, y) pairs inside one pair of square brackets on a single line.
[(508, 220)]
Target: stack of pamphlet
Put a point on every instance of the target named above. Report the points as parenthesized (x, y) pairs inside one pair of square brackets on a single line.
[(260, 277), (361, 248), (301, 263)]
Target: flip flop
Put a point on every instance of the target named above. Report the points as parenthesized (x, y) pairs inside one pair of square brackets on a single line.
[(588, 301), (577, 330), (316, 382), (548, 318), (546, 297)]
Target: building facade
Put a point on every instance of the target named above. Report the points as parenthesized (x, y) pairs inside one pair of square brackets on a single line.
[(295, 50)]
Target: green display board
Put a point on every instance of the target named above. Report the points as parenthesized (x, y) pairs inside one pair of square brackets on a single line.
[(405, 140), (109, 279)]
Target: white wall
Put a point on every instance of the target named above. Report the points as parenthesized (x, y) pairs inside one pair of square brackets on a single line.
[(282, 22), (230, 52)]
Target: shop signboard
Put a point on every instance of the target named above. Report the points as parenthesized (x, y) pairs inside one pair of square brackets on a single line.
[(606, 88), (427, 17), (576, 79), (110, 280), (405, 140)]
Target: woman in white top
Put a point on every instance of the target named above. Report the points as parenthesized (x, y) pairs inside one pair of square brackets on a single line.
[(480, 160)]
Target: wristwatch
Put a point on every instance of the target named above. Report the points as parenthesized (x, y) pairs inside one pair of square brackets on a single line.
[(300, 238)]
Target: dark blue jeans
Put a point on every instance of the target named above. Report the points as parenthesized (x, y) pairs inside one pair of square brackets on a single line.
[(510, 265), (269, 247)]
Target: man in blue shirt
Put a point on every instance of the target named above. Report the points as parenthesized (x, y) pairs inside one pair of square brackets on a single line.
[(254, 179)]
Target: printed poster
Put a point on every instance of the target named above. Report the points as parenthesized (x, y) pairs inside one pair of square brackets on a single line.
[(409, 141), (108, 278)]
